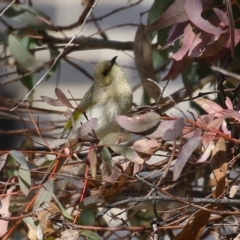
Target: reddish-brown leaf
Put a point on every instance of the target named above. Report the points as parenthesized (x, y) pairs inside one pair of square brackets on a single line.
[(173, 15), (177, 67), (184, 155), (194, 10), (140, 123), (187, 40), (62, 98), (218, 164)]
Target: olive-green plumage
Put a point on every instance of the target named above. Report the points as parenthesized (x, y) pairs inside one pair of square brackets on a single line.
[(109, 96)]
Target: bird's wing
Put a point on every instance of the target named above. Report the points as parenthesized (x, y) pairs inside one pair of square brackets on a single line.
[(89, 100)]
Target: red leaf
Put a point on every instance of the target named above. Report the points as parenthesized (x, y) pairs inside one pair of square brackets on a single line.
[(175, 32), (222, 16), (51, 101), (187, 40), (140, 123), (87, 128), (184, 155), (194, 10), (199, 44), (177, 67), (62, 98), (208, 105), (173, 15), (168, 130)]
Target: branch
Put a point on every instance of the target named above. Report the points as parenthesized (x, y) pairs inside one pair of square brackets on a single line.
[(166, 198)]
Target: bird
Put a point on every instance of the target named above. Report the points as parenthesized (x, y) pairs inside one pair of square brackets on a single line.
[(109, 96)]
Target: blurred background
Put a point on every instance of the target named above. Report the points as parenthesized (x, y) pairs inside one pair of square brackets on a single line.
[(73, 75)]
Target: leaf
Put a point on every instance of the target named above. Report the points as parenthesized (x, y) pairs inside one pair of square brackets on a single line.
[(62, 98), (194, 9), (187, 41), (4, 211), (184, 155), (63, 211), (218, 164), (3, 159), (208, 105), (222, 16), (52, 102), (24, 179), (87, 217), (23, 57), (173, 15), (140, 123), (207, 152), (93, 200), (78, 183), (87, 128), (32, 228), (231, 114), (114, 138), (168, 130), (146, 147), (92, 157), (53, 53), (156, 10), (69, 234), (45, 212), (107, 162), (174, 33), (199, 44), (177, 67), (27, 15), (45, 194), (194, 226), (19, 157), (89, 235), (233, 191), (126, 152), (28, 81), (217, 48)]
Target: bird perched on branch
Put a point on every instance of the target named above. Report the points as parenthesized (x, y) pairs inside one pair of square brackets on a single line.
[(109, 96)]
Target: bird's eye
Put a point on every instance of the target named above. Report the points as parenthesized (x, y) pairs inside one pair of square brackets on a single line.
[(105, 73)]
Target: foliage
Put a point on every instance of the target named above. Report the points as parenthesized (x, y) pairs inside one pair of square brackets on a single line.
[(171, 175)]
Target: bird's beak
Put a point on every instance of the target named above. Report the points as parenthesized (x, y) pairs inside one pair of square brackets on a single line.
[(113, 60)]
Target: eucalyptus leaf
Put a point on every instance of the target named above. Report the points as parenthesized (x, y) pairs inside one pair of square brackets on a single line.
[(27, 15), (24, 58), (24, 179)]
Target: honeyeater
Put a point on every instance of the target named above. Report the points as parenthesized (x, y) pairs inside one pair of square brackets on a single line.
[(110, 95)]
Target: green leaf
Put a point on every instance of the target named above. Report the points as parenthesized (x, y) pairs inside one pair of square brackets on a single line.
[(28, 81), (62, 209), (53, 53), (27, 15), (19, 157), (45, 194), (107, 162), (24, 179), (21, 54), (87, 217), (112, 138), (4, 38), (125, 151), (89, 235), (158, 7)]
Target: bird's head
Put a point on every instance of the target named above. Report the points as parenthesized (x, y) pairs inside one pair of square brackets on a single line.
[(108, 72)]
